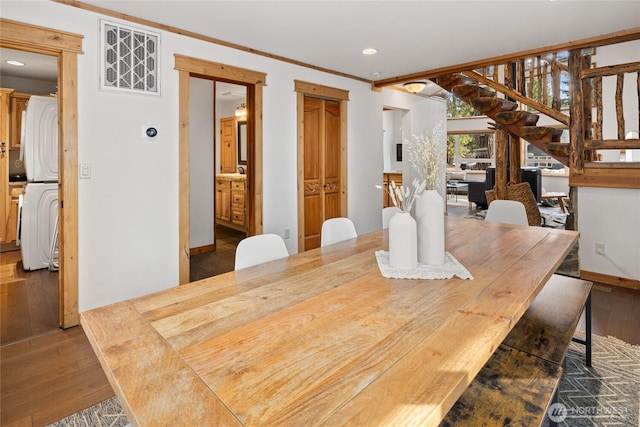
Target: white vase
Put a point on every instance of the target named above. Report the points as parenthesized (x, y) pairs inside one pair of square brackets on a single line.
[(430, 221), (403, 241)]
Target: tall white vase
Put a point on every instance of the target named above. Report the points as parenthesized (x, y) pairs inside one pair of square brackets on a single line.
[(430, 221), (403, 241)]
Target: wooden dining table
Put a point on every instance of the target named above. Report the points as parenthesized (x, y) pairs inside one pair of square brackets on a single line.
[(321, 337)]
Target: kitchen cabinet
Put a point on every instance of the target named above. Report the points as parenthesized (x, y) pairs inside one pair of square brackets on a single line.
[(387, 177), (231, 200), (18, 103), (12, 218), (5, 198)]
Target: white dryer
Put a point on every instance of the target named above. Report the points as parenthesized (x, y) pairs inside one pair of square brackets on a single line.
[(40, 139), (37, 228)]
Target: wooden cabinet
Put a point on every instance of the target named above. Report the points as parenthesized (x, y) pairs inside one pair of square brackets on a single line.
[(228, 141), (387, 177), (237, 203), (18, 103), (223, 199), (231, 200), (5, 198), (12, 218)]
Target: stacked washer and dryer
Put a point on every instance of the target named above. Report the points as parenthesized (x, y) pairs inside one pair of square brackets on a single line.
[(38, 207)]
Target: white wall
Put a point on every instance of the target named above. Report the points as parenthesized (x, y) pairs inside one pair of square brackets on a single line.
[(128, 210), (201, 167), (612, 216), (392, 125)]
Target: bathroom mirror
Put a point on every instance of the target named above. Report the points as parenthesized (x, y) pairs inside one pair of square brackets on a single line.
[(242, 143)]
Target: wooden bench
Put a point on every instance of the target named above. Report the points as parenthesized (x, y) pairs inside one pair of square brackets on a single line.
[(521, 378)]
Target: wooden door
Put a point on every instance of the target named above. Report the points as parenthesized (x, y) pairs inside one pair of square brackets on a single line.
[(322, 166), (228, 163), (5, 198)]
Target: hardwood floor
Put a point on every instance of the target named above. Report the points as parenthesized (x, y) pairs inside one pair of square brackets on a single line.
[(29, 300), (51, 376)]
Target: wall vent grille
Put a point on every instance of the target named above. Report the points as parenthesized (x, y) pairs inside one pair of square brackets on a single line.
[(130, 59)]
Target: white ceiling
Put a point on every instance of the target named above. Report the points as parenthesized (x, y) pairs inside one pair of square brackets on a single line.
[(411, 36), (36, 66)]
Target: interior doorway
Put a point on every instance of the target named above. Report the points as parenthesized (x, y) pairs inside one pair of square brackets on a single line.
[(29, 288), (65, 47), (219, 206), (253, 82)]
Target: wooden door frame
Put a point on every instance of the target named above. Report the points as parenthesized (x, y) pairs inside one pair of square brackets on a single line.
[(334, 94), (66, 47), (192, 67)]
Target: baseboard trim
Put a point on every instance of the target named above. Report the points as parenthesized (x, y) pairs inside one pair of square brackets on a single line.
[(202, 249), (610, 280)]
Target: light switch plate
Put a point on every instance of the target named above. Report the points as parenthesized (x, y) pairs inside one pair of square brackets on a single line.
[(85, 170)]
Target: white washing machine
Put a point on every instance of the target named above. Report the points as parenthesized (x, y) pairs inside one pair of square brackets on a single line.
[(37, 226), (40, 139)]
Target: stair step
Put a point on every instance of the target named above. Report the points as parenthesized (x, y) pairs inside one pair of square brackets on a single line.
[(450, 80), (467, 92), (490, 105), (559, 149), (522, 118), (541, 133)]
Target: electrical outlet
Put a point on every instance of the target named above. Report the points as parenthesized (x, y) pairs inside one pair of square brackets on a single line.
[(600, 249), (287, 233)]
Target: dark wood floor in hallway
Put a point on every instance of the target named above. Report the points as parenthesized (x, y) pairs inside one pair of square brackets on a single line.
[(50, 376)]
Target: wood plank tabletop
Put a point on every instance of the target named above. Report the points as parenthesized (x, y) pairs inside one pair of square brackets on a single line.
[(321, 337)]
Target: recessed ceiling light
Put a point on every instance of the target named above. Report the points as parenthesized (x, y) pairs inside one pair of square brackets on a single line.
[(16, 63), (369, 51), (375, 74)]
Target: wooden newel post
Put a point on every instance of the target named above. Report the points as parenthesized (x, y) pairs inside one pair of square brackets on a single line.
[(576, 104), (515, 158), (502, 148)]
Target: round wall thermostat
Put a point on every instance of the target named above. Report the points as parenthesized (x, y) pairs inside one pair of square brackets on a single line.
[(151, 132)]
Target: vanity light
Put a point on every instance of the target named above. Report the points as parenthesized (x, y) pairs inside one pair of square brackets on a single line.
[(414, 87), (241, 111)]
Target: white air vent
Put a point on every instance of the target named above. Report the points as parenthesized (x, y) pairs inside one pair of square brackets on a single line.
[(130, 59)]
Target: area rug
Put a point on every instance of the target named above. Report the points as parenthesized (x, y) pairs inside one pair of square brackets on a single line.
[(107, 413), (607, 394)]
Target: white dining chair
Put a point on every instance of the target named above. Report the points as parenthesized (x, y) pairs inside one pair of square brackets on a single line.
[(336, 230), (387, 214), (507, 211), (258, 249)]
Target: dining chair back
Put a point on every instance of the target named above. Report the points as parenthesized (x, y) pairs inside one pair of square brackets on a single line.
[(258, 249), (336, 230), (507, 211), (387, 214)]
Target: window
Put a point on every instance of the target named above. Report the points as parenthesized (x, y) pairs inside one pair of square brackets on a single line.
[(475, 151)]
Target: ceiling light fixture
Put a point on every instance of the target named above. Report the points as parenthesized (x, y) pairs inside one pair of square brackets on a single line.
[(241, 111), (369, 51), (414, 87), (16, 63)]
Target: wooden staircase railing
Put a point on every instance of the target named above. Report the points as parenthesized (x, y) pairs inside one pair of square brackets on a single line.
[(515, 94)]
